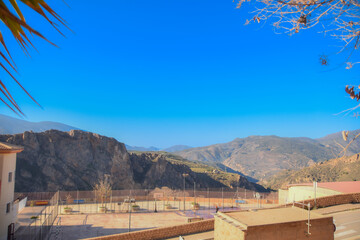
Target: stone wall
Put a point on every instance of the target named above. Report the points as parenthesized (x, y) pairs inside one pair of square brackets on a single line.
[(163, 232)]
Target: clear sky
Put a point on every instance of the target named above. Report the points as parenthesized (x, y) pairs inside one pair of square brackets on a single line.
[(165, 72)]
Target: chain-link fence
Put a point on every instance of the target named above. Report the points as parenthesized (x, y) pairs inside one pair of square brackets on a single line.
[(41, 224), (152, 200)]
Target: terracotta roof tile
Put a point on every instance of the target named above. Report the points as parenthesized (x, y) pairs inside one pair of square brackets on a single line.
[(7, 147)]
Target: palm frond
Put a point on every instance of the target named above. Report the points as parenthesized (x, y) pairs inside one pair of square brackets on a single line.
[(17, 25)]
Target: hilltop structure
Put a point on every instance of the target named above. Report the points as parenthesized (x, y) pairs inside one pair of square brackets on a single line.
[(8, 209), (303, 191)]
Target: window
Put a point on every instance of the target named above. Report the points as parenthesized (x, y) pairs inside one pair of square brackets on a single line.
[(10, 176), (7, 207)]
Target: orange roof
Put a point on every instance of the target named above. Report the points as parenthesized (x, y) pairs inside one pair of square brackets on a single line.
[(9, 148), (344, 187)]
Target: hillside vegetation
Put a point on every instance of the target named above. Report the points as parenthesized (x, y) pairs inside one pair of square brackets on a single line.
[(335, 170)]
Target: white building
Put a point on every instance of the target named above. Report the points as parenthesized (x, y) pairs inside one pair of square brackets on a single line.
[(303, 191), (8, 213)]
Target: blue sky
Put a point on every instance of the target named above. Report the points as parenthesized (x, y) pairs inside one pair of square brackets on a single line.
[(160, 73)]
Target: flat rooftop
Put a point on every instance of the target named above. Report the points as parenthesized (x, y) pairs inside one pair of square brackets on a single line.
[(271, 216)]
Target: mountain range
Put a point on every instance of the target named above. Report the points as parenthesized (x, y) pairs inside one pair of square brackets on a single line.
[(10, 125), (260, 157), (256, 157), (174, 148), (76, 160)]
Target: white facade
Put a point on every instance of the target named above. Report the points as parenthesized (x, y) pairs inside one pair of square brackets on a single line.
[(8, 210), (302, 193)]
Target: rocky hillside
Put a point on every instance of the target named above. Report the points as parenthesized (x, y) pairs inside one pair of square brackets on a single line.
[(262, 156), (55, 160), (335, 170), (210, 175)]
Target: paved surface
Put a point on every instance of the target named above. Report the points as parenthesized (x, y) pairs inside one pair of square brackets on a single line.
[(93, 225), (80, 226), (347, 225), (24, 217)]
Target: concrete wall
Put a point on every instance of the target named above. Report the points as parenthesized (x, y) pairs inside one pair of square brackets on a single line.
[(163, 232), (300, 193), (320, 229), (334, 200), (7, 164), (227, 231), (283, 196)]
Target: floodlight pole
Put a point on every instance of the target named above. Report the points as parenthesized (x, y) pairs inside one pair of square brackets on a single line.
[(194, 193), (129, 214), (184, 191), (208, 199)]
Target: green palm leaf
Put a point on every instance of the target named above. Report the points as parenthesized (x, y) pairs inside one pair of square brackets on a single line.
[(16, 23)]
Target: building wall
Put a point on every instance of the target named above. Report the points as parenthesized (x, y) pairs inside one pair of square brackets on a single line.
[(333, 200), (283, 196), (300, 193), (320, 229), (227, 231), (162, 232), (7, 164)]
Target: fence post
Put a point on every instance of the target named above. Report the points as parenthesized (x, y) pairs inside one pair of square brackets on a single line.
[(208, 199), (222, 196), (194, 193), (77, 199), (147, 200), (111, 200)]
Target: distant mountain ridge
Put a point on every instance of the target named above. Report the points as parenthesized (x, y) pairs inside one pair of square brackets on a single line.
[(174, 148), (141, 149), (10, 125), (260, 157)]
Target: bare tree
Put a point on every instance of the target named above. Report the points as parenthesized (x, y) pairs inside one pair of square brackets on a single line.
[(103, 188), (338, 18)]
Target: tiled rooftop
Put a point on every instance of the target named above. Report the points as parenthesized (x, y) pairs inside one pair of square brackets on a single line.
[(7, 147)]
